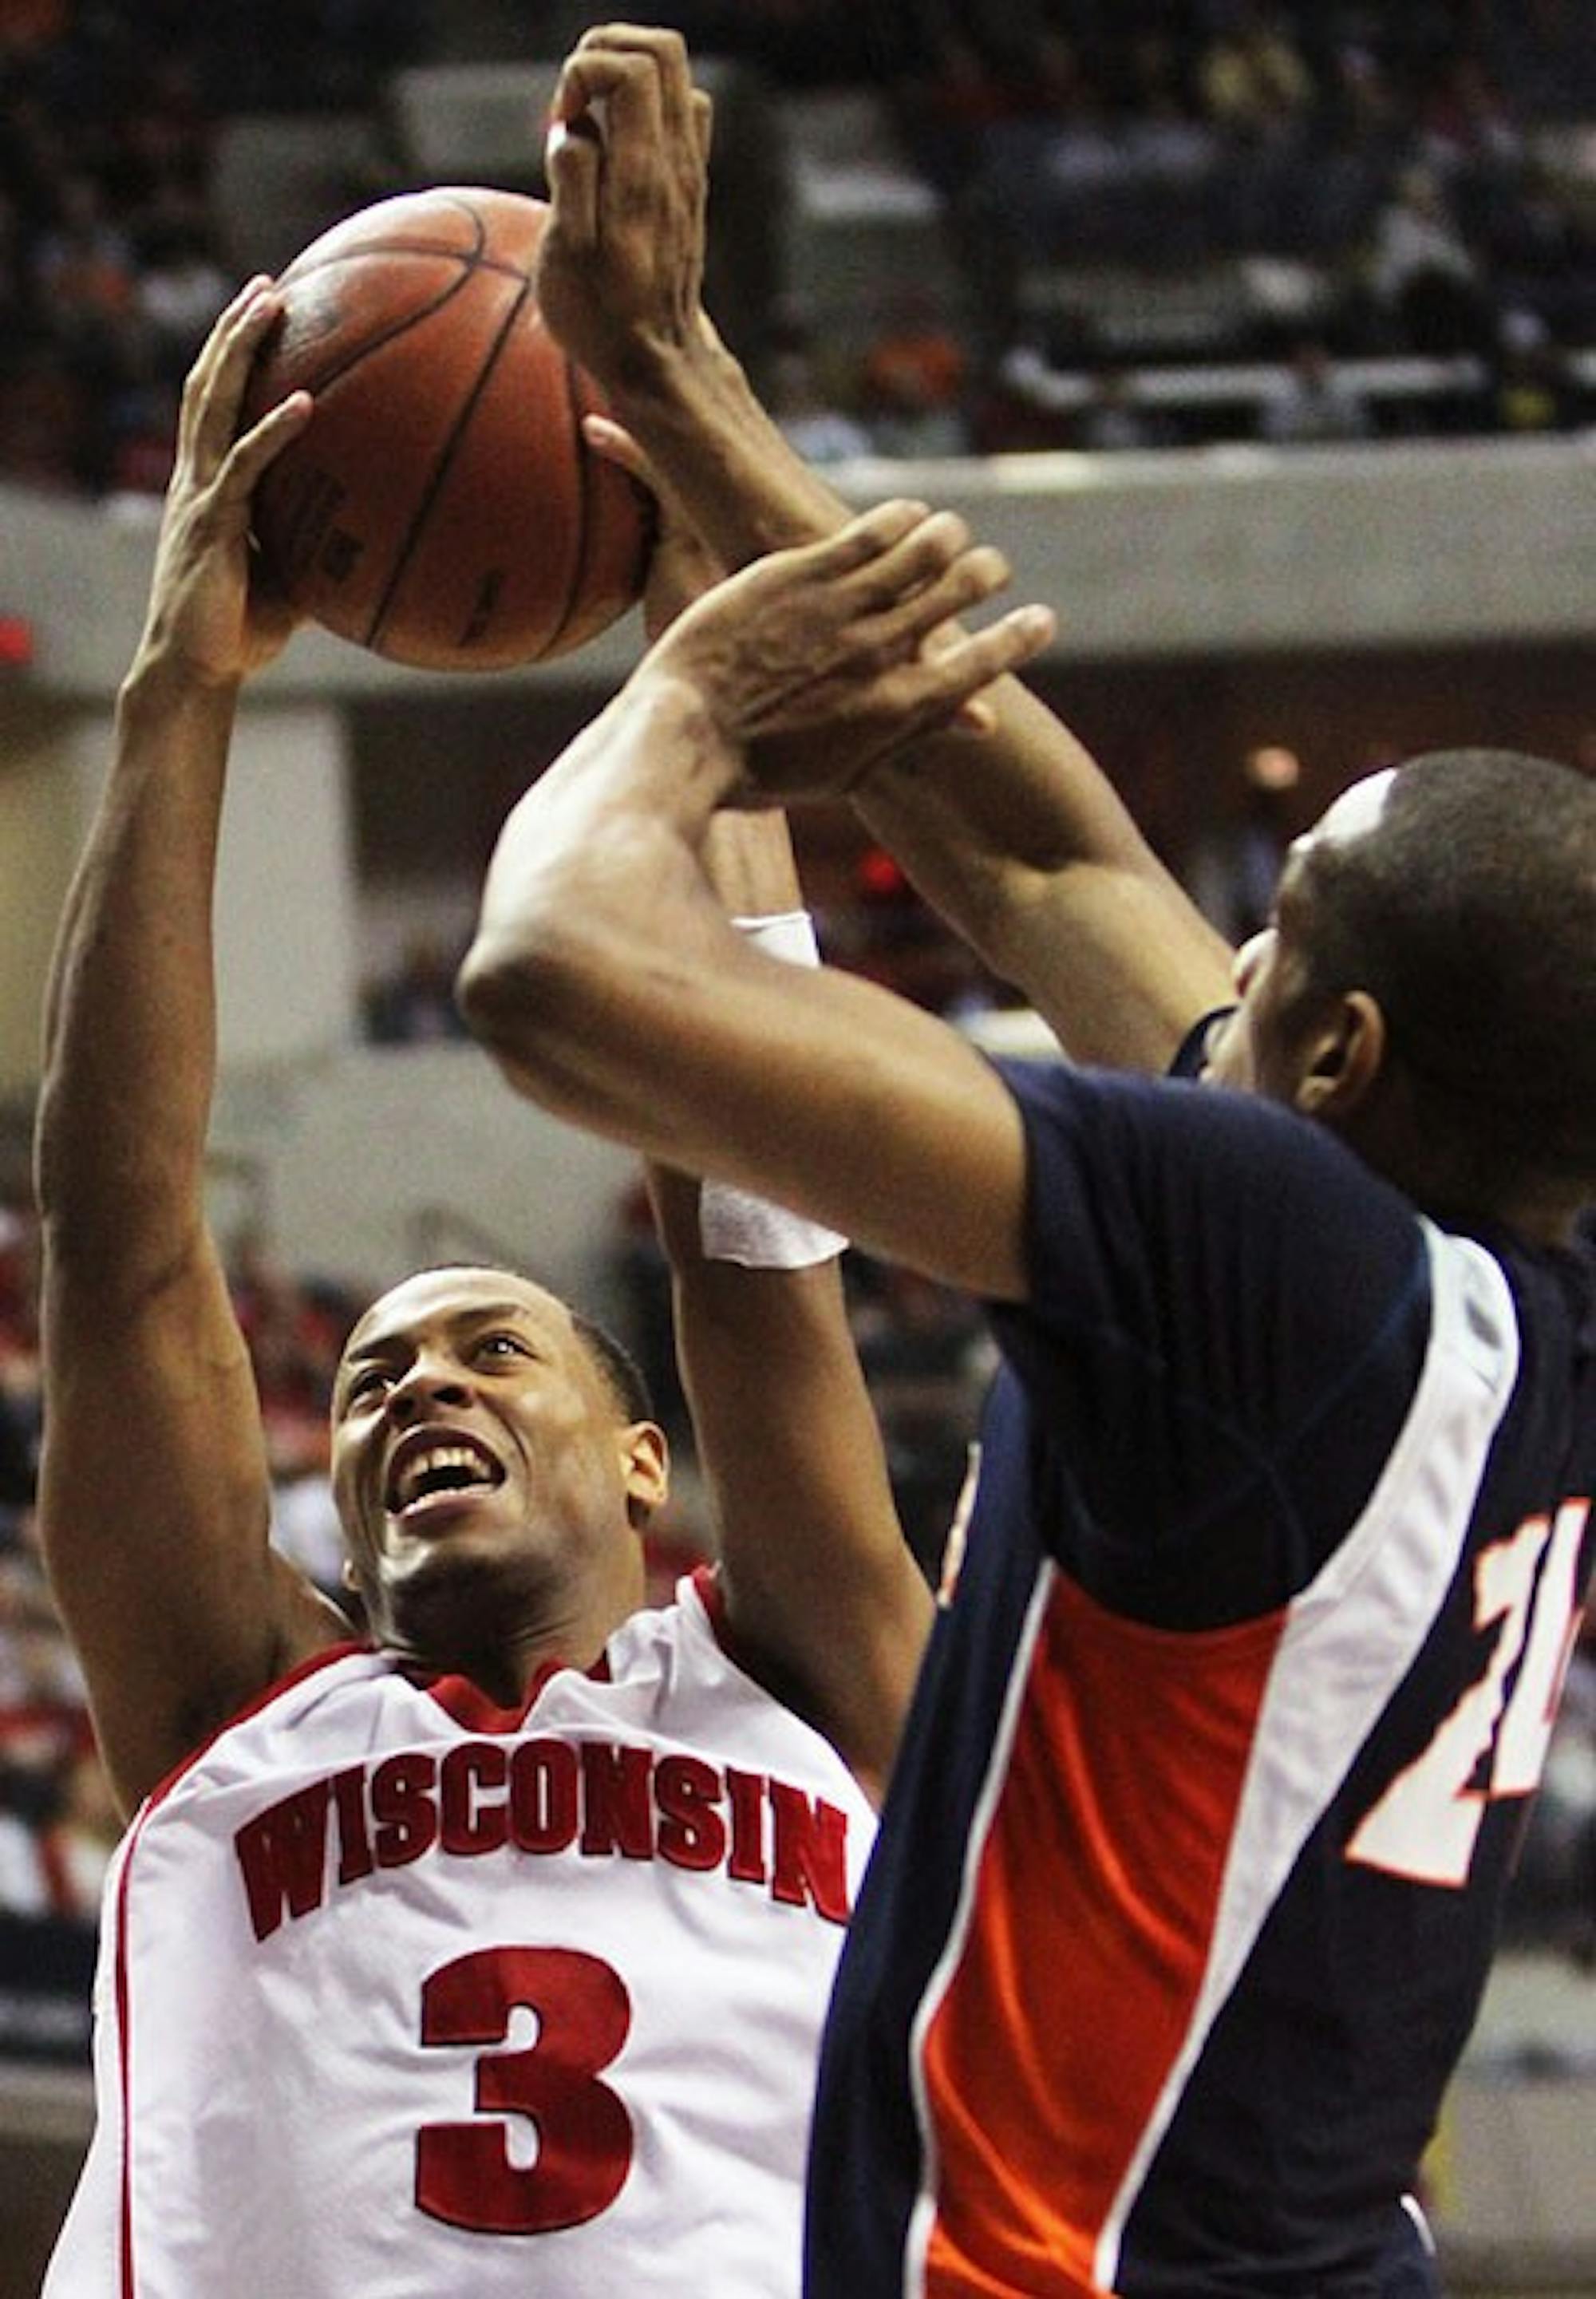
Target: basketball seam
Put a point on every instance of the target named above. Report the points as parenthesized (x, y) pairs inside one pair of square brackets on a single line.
[(324, 378), (445, 457), (470, 259)]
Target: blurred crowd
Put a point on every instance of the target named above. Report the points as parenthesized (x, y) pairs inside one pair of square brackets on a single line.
[(1403, 180), (1313, 189), (112, 261)]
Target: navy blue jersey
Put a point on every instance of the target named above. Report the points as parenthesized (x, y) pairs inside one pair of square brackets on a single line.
[(1223, 1748)]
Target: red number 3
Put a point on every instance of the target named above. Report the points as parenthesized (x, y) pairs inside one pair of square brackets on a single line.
[(464, 2174)]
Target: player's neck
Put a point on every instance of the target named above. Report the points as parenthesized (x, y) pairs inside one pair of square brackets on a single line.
[(503, 1648)]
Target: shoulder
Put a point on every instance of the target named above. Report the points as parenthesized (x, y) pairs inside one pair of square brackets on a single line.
[(309, 1696), (681, 1669), (1214, 1271), (1150, 1165)]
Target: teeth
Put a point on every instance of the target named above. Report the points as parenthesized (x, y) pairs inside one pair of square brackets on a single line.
[(459, 1464)]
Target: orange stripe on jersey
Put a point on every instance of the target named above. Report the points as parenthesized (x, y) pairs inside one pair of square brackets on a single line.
[(1095, 1906)]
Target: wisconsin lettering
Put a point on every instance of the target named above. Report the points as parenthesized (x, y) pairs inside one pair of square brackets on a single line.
[(597, 1800)]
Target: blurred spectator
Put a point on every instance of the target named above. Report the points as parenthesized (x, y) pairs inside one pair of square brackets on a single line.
[(44, 1731), (415, 1005), (818, 427), (1314, 404), (1113, 418), (87, 278), (1424, 279), (1539, 239), (1532, 387), (642, 1276), (1255, 82), (19, 1374), (952, 92), (927, 1360), (1541, 54), (48, 419), (27, 24), (296, 1329), (911, 383), (86, 1833), (16, 283), (182, 284), (138, 438), (1335, 178), (887, 934), (1464, 124), (305, 1529), (1554, 1898), (1234, 870)]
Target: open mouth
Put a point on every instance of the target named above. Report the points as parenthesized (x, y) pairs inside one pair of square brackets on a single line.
[(427, 1468)]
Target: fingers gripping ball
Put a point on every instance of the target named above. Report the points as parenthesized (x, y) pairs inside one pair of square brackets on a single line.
[(441, 506)]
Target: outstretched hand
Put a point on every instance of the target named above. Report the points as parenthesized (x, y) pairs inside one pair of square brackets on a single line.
[(621, 265), (210, 608), (815, 664)]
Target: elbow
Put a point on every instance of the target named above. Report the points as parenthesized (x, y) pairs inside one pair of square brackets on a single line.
[(523, 997), (506, 990)]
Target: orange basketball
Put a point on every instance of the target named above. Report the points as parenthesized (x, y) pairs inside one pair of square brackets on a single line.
[(441, 506)]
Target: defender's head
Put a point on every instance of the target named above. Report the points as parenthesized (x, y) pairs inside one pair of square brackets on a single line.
[(1427, 985)]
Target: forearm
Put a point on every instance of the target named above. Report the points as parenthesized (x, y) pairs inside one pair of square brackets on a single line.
[(594, 902), (693, 410), (820, 1587), (129, 1027), (1025, 847), (748, 860)]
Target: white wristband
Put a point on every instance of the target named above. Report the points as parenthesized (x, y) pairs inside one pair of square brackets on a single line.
[(734, 1224), (784, 933)]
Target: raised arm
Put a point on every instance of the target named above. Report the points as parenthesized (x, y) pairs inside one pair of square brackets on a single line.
[(823, 1596), (154, 1496), (1028, 852), (605, 978)]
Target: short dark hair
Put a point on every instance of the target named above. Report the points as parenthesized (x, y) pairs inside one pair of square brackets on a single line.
[(1469, 912), (622, 1374)]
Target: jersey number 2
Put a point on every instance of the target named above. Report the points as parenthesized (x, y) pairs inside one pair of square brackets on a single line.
[(464, 2174), (1425, 1825)]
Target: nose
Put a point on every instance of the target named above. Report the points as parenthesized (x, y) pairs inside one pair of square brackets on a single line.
[(432, 1380)]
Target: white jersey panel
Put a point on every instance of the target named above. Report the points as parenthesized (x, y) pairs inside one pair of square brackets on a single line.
[(399, 1996), (1352, 1637)]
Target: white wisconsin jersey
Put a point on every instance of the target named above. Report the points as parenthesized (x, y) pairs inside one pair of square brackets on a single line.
[(404, 1996)]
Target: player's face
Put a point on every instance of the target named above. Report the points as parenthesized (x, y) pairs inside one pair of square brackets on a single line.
[(1249, 1049), (1262, 1047), (473, 1427)]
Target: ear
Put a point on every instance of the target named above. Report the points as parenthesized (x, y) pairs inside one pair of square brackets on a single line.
[(645, 1469), (1344, 1054)]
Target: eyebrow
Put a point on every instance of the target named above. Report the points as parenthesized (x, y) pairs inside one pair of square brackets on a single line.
[(463, 1320)]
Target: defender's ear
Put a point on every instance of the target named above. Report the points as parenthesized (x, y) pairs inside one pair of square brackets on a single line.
[(1345, 1054)]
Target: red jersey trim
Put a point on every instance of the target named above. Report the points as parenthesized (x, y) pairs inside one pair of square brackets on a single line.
[(1030, 2162)]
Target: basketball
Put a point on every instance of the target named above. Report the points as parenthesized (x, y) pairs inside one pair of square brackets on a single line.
[(440, 507)]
